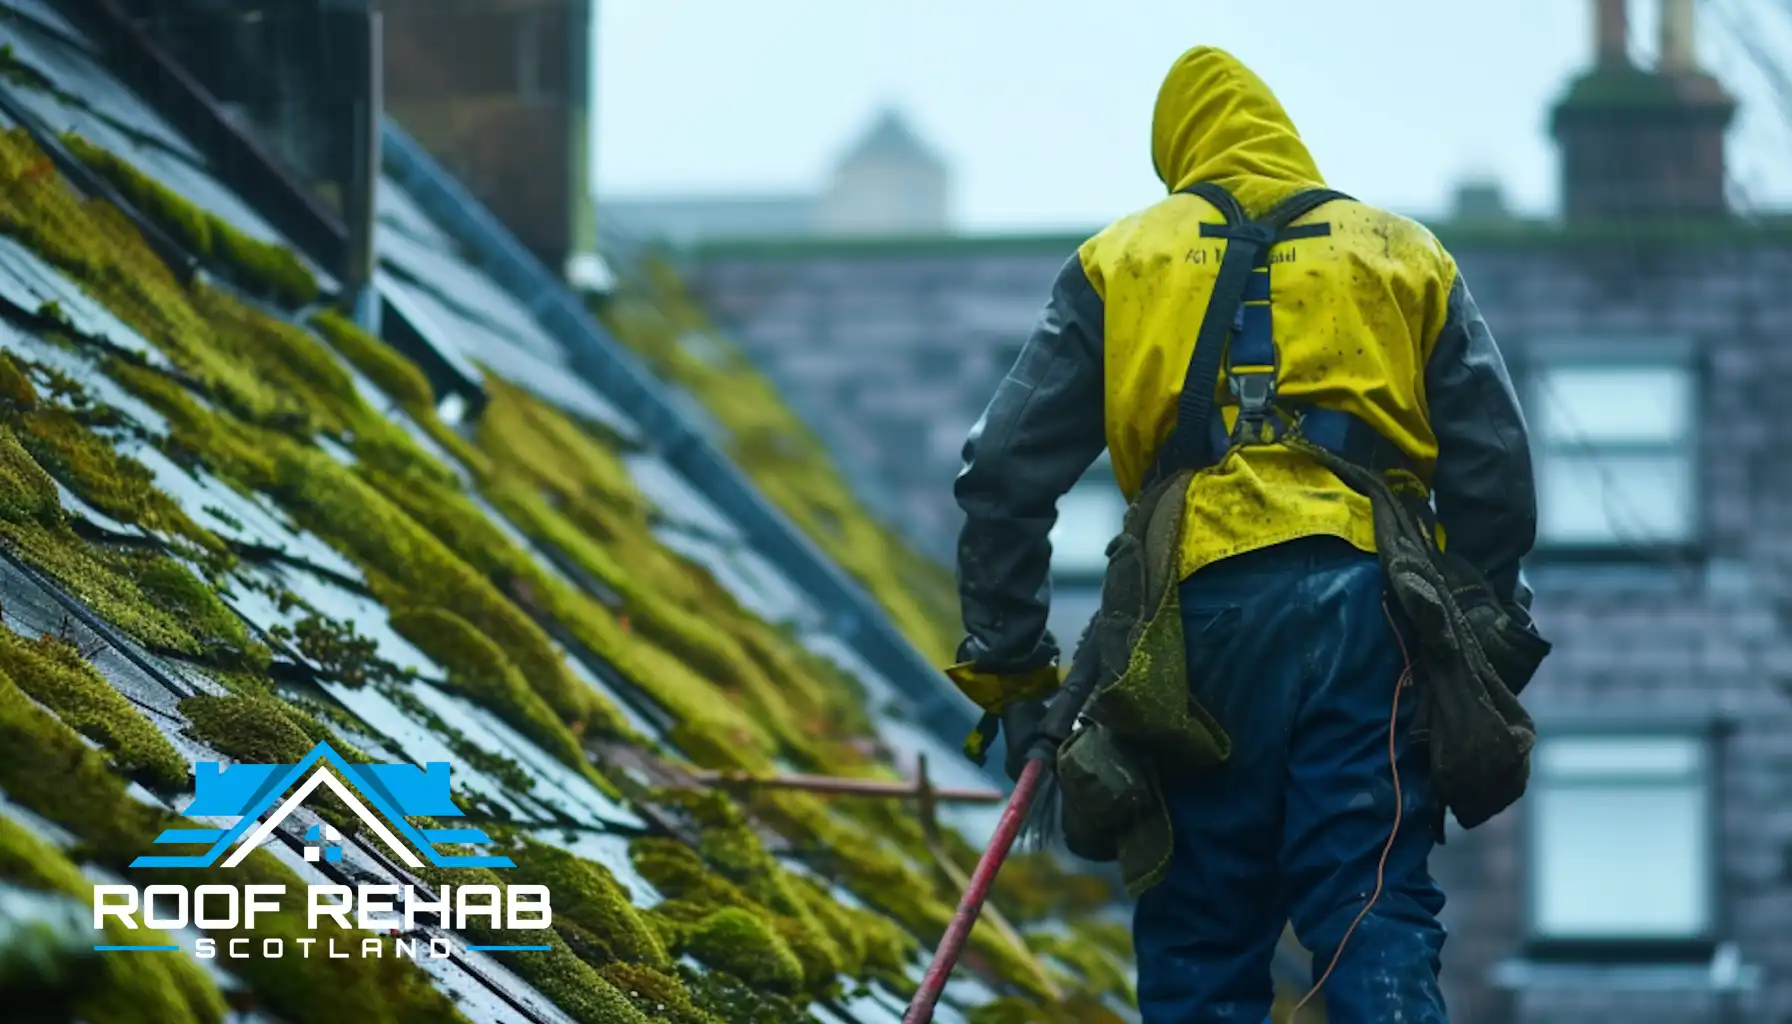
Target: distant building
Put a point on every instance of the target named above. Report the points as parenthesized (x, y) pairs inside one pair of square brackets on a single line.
[(1647, 877), (890, 183)]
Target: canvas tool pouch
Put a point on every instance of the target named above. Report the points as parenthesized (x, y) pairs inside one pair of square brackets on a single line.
[(1473, 655), (1141, 725)]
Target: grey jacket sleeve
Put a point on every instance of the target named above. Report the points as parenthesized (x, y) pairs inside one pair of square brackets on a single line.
[(1039, 435), (1486, 493)]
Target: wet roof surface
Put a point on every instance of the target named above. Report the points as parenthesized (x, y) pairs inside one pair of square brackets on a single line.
[(464, 314)]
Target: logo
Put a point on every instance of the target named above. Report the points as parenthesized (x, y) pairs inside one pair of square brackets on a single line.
[(381, 796), (246, 791)]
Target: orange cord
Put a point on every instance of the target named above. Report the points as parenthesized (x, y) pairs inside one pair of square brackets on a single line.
[(1394, 766)]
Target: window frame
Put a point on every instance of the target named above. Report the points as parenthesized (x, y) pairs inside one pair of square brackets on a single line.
[(1623, 352), (1617, 948)]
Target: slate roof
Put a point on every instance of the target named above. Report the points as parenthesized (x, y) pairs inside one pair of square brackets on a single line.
[(235, 527)]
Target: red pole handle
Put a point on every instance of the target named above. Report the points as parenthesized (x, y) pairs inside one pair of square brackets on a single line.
[(920, 1009)]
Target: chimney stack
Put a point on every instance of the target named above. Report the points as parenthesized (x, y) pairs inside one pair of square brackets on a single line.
[(1611, 34), (1638, 143), (1677, 37)]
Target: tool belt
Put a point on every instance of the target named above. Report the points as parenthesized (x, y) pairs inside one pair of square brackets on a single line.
[(1142, 727)]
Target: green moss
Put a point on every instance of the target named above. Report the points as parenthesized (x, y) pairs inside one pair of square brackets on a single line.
[(16, 389), (1099, 971), (263, 267), (174, 589), (558, 973), (151, 597), (506, 771), (655, 315), (588, 895), (478, 669), (364, 525), (54, 673), (657, 993), (187, 224), (400, 379), (63, 439), (250, 727), (739, 942), (111, 989), (390, 372), (342, 653)]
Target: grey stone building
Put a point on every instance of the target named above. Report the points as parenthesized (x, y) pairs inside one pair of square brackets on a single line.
[(1648, 875), (888, 182)]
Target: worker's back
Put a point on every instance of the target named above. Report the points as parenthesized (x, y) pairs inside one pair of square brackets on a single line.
[(1288, 642), (1354, 315)]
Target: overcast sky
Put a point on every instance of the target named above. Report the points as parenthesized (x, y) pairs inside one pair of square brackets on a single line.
[(1043, 107)]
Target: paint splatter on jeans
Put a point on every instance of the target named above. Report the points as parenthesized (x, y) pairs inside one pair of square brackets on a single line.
[(1292, 651)]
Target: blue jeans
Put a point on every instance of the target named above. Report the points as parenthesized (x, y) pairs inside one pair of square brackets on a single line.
[(1293, 651)]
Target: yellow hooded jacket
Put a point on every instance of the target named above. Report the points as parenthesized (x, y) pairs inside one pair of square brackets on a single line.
[(1371, 319)]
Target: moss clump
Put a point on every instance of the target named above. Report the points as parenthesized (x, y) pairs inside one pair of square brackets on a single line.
[(116, 484), (587, 894), (478, 669), (264, 267), (407, 560), (1098, 971), (55, 674), (255, 728), (657, 994), (401, 380), (110, 989), (739, 942), (16, 389), (559, 973), (153, 598)]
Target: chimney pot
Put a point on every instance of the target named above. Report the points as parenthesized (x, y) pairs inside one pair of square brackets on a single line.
[(1611, 33), (1678, 23)]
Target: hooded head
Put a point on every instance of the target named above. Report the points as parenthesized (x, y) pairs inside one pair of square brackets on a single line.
[(1216, 121)]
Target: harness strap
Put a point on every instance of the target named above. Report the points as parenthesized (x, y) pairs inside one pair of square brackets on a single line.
[(1236, 330)]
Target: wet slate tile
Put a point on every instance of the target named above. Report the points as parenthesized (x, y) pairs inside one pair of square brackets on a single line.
[(630, 714), (718, 560), (675, 499), (556, 785), (28, 283), (397, 209), (462, 341), (609, 850), (44, 16), (468, 291), (420, 744), (82, 75)]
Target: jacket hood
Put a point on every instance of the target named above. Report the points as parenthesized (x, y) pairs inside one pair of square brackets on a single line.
[(1217, 121)]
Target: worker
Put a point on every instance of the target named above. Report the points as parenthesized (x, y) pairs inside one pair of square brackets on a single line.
[(1321, 814)]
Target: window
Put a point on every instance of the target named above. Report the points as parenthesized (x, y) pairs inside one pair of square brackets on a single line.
[(1621, 837), (1088, 518), (1614, 447)]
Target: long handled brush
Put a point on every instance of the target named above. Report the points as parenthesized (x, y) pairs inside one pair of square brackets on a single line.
[(1031, 811)]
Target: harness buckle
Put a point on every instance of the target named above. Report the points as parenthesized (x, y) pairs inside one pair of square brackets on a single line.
[(1254, 391)]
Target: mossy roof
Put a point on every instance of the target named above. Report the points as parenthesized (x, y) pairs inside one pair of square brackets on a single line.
[(234, 527)]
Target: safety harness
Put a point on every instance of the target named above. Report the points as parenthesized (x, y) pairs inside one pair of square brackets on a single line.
[(1240, 306), (1142, 727)]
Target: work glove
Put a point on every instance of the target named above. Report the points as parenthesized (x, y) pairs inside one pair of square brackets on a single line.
[(999, 690), (1020, 726)]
